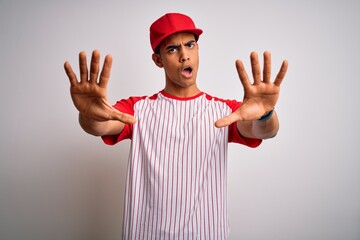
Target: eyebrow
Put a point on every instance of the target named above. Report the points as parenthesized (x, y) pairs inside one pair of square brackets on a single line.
[(190, 42), (172, 46)]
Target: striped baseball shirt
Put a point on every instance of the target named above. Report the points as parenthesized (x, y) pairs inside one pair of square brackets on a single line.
[(176, 181)]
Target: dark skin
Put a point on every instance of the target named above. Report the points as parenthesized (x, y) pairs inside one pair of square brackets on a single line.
[(98, 117), (260, 97)]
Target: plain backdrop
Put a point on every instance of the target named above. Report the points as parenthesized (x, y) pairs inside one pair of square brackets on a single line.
[(57, 182)]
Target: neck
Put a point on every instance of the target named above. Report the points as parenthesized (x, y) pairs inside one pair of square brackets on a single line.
[(182, 92)]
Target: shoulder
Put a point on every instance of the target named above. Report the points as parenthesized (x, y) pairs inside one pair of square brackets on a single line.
[(231, 103), (127, 104), (134, 99)]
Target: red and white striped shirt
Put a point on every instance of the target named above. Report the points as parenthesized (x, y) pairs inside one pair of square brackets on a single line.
[(176, 183)]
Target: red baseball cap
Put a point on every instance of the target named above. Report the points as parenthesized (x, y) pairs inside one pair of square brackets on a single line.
[(169, 24)]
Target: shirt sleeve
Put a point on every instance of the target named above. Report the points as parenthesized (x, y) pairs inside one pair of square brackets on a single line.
[(234, 134)]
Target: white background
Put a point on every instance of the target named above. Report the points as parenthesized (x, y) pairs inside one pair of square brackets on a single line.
[(57, 182)]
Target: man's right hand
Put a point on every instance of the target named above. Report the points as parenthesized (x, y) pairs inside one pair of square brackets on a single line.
[(89, 95)]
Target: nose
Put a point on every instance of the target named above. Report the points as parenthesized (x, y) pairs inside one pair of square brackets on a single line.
[(184, 55)]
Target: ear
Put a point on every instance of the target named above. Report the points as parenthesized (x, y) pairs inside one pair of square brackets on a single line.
[(157, 60)]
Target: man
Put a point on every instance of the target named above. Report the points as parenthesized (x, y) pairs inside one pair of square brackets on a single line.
[(176, 182)]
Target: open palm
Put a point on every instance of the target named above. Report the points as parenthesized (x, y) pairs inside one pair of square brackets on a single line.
[(260, 96), (89, 94)]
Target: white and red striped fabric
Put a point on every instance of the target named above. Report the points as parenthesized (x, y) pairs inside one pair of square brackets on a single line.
[(176, 183)]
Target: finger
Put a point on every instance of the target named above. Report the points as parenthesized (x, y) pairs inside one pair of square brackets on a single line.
[(123, 117), (70, 73), (94, 66), (83, 67), (117, 115), (228, 120), (113, 114), (105, 73), (244, 78), (255, 67), (281, 75), (267, 67)]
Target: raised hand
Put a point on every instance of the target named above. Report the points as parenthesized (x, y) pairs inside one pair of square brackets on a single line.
[(89, 95), (260, 96)]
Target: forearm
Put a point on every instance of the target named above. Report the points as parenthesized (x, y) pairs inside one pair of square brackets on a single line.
[(100, 128), (259, 129)]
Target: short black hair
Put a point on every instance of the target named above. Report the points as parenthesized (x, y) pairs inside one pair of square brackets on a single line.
[(157, 49)]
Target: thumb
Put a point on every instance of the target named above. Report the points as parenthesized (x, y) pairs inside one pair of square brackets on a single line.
[(115, 114), (228, 120), (122, 117)]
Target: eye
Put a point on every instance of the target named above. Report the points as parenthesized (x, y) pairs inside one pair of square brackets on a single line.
[(191, 44), (172, 50)]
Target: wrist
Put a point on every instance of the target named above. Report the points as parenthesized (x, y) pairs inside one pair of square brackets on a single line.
[(266, 116)]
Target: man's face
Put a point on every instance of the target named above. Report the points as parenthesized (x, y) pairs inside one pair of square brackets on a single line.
[(179, 57)]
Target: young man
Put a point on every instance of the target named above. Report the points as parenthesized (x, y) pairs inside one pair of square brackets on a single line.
[(176, 182)]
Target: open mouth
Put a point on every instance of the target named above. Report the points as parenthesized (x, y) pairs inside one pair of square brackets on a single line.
[(187, 71)]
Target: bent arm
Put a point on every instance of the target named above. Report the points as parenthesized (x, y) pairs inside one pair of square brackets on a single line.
[(96, 115), (259, 97)]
